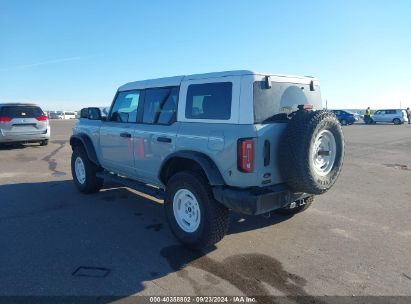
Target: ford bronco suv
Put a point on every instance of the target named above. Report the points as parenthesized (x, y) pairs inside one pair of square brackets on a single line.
[(209, 143)]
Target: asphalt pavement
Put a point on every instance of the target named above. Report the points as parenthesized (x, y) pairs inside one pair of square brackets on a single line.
[(353, 240)]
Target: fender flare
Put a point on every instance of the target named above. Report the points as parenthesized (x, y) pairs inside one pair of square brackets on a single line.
[(205, 162), (87, 144)]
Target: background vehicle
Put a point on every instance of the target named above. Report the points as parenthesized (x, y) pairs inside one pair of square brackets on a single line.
[(186, 140), (23, 122), (346, 117), (395, 116), (66, 115)]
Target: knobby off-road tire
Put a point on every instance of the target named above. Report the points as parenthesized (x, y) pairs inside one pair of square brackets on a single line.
[(308, 137), (188, 193), (291, 211), (85, 177)]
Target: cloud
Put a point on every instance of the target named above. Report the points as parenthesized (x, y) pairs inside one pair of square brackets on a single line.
[(47, 62)]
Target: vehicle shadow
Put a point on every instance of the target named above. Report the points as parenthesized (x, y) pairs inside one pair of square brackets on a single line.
[(17, 146), (58, 242), (241, 223)]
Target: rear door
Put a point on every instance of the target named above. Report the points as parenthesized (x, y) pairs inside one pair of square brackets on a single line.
[(156, 131), (23, 120), (117, 133), (390, 115)]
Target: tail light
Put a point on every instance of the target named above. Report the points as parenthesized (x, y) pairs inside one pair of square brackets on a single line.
[(42, 118), (5, 119), (246, 155)]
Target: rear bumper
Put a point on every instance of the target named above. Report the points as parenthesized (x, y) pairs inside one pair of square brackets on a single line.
[(255, 201), (23, 137)]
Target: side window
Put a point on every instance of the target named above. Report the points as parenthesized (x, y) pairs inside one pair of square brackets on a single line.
[(125, 107), (209, 101), (378, 112), (160, 106)]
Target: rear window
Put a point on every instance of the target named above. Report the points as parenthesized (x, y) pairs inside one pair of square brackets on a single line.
[(21, 112), (209, 101), (273, 104)]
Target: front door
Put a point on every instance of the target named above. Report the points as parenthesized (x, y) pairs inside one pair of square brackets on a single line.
[(378, 116), (117, 134)]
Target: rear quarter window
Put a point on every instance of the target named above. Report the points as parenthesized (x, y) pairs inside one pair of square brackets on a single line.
[(209, 101)]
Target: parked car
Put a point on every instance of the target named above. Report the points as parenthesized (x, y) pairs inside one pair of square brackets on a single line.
[(395, 116), (53, 115), (208, 143), (66, 115), (23, 122), (346, 117)]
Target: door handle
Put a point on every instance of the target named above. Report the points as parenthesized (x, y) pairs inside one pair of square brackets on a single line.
[(125, 134), (164, 139)]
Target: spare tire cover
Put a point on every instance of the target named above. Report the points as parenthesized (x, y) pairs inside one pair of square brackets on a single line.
[(311, 151)]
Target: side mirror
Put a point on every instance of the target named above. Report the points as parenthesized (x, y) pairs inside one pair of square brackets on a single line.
[(91, 113)]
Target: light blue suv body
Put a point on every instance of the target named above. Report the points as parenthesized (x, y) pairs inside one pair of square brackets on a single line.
[(226, 127)]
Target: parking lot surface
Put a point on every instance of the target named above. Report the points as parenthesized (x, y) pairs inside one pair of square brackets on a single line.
[(354, 240)]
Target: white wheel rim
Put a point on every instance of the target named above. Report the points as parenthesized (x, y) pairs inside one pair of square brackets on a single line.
[(324, 152), (186, 210), (80, 170)]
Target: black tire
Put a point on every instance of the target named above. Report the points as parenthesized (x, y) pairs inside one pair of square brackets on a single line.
[(396, 121), (301, 206), (92, 183), (343, 122), (214, 217), (296, 164), (44, 142)]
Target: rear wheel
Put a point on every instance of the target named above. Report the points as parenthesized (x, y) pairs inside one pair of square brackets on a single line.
[(343, 122), (396, 121), (194, 216), (84, 172)]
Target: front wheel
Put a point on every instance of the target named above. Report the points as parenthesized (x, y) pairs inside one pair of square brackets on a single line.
[(344, 122), (194, 216), (84, 172)]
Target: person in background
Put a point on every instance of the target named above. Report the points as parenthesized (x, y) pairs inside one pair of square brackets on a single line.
[(408, 115), (367, 116)]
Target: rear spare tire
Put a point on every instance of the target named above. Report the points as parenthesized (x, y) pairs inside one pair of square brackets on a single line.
[(311, 151)]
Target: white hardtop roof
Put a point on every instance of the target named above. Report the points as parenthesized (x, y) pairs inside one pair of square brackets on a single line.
[(176, 80)]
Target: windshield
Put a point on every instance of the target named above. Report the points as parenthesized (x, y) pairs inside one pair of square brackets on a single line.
[(273, 104)]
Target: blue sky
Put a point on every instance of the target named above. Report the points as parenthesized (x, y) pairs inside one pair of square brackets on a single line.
[(70, 54)]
